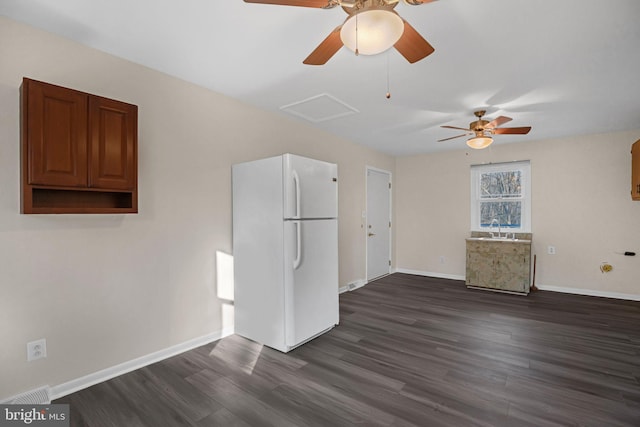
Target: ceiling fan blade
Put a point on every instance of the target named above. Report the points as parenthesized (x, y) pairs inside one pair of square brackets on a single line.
[(453, 137), (455, 127), (513, 131), (303, 3), (326, 49), (412, 45), (498, 121)]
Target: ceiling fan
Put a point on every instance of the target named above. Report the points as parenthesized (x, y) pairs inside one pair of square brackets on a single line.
[(371, 27), (483, 129)]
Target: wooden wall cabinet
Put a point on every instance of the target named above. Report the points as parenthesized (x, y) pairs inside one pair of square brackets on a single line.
[(79, 152), (635, 170)]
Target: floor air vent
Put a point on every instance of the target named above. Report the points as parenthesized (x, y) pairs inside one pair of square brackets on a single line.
[(40, 396)]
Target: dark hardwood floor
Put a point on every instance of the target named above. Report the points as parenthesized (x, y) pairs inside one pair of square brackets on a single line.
[(409, 351)]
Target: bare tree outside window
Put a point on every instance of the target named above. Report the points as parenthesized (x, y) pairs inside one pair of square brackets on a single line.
[(501, 194), (497, 193)]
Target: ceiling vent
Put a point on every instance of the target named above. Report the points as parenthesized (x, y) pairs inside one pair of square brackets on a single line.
[(319, 108)]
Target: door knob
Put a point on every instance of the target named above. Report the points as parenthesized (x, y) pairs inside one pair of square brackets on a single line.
[(372, 234)]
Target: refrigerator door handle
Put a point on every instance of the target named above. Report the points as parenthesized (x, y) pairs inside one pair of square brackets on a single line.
[(298, 259), (296, 185)]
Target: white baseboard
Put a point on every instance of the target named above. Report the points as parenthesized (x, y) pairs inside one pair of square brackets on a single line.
[(352, 286), (589, 292), (429, 274), (577, 291), (72, 386)]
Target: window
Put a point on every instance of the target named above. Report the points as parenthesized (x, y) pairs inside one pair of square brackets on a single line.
[(501, 194)]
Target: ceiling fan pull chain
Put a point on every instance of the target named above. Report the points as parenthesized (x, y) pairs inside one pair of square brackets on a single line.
[(388, 90), (357, 53)]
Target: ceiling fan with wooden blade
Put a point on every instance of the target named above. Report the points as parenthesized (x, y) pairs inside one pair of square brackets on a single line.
[(483, 129), (376, 16)]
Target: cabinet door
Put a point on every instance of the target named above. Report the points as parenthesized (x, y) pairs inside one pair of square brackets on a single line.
[(113, 133), (510, 267), (635, 171), (56, 134)]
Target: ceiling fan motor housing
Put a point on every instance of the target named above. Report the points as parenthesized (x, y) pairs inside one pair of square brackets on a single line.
[(355, 7), (478, 125)]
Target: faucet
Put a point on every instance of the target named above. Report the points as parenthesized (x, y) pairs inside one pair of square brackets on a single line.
[(491, 228)]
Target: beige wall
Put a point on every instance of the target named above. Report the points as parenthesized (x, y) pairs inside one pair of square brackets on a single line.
[(105, 289), (580, 204)]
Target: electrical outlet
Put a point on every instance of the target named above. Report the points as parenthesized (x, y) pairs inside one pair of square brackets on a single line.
[(36, 349), (551, 250)]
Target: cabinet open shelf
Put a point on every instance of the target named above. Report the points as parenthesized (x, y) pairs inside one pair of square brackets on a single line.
[(51, 200)]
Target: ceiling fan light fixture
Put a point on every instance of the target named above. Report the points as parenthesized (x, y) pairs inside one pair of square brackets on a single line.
[(479, 142), (377, 31)]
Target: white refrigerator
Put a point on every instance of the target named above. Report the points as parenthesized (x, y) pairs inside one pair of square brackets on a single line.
[(285, 249)]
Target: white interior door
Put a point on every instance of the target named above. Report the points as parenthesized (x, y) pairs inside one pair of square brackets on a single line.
[(378, 224)]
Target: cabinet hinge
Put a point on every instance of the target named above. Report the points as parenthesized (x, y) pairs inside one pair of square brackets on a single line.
[(389, 263), (389, 186), (389, 224)]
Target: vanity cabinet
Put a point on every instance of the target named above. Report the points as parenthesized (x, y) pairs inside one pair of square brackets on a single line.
[(502, 265), (635, 170), (79, 152)]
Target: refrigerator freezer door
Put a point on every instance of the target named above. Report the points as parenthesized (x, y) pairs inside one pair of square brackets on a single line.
[(311, 279), (310, 188)]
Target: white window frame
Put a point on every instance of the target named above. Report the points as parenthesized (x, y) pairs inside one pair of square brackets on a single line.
[(525, 198)]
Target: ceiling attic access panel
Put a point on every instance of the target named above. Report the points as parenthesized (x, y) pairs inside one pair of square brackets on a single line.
[(79, 152)]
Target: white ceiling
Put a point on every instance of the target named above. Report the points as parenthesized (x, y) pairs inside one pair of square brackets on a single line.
[(564, 67)]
